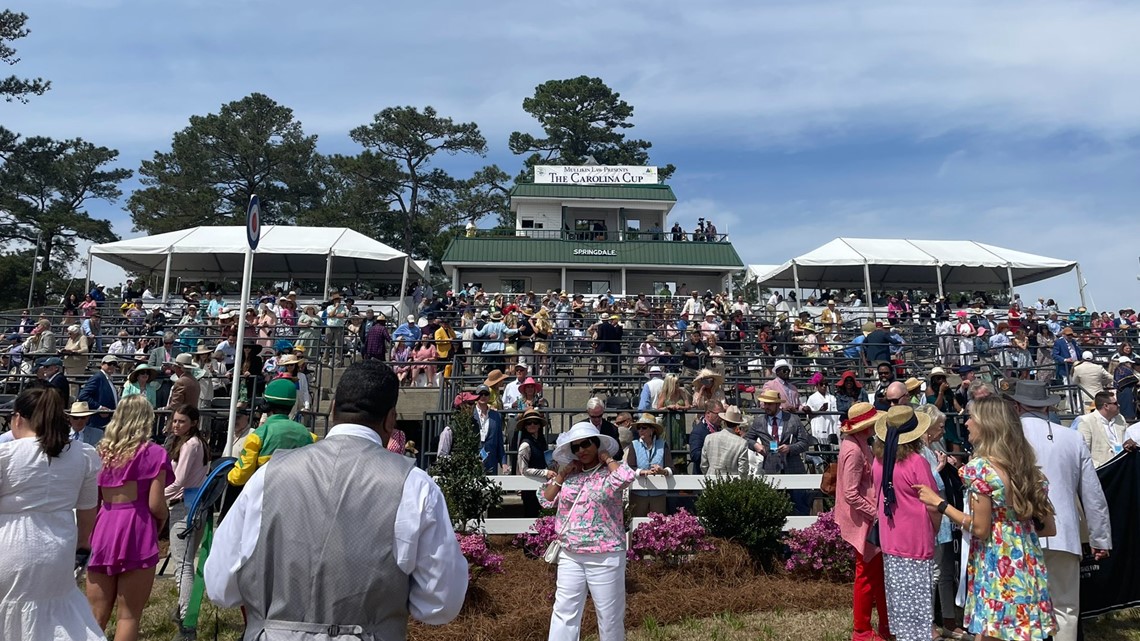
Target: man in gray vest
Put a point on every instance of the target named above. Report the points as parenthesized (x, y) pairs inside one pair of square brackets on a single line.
[(342, 537)]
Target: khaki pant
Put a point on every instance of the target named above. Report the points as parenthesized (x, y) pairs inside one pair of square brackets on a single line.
[(1064, 570), (642, 505)]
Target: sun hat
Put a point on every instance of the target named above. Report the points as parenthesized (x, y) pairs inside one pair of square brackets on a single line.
[(530, 416), (902, 419), (289, 359), (937, 371), (186, 360), (497, 316), (849, 374), (913, 385), (80, 408), (530, 381), (868, 327), (860, 416), (733, 415), (495, 377), (656, 369), (72, 329), (604, 317), (580, 432), (770, 396), (204, 349), (808, 327), (133, 377), (783, 362), (1031, 394), (717, 379), (648, 420), (281, 391)]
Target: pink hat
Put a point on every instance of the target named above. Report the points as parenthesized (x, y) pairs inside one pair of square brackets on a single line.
[(816, 379), (961, 313), (530, 381)]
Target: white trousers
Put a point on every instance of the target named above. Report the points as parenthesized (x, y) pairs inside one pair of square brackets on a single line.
[(1064, 570), (604, 575)]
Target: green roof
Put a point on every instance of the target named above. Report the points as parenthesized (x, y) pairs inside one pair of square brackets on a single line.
[(603, 192), (520, 249)]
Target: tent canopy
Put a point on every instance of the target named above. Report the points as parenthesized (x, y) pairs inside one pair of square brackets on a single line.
[(284, 251), (956, 265)]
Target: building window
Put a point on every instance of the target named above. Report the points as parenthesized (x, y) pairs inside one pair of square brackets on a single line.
[(512, 286), (527, 223), (664, 288), (591, 287), (591, 229)]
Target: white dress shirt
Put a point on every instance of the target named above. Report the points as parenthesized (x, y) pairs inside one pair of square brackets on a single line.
[(425, 545)]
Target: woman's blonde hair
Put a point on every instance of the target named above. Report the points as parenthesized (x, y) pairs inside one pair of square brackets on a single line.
[(671, 391), (129, 428), (998, 437)]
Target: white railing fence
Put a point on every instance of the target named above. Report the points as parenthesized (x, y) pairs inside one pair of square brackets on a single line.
[(676, 482)]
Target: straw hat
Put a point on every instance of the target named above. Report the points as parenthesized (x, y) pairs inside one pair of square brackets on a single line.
[(203, 349), (581, 432), (733, 415), (717, 379), (289, 359), (911, 425), (494, 378), (937, 371), (530, 416), (649, 420), (80, 408), (913, 385), (770, 396), (860, 416)]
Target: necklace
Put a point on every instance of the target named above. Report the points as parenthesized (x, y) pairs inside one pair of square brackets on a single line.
[(592, 469)]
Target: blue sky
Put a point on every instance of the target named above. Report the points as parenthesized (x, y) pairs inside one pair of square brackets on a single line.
[(791, 123)]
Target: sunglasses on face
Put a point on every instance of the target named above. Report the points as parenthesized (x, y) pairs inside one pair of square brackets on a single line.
[(574, 447), (894, 401)]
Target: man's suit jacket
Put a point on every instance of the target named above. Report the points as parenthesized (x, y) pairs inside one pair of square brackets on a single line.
[(1063, 349), (792, 434), (724, 453), (493, 449), (186, 390), (60, 383), (157, 357), (609, 338), (1073, 485), (1092, 429), (98, 392), (91, 435), (1090, 377)]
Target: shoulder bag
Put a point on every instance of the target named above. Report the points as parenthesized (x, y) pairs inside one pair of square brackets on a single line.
[(554, 550)]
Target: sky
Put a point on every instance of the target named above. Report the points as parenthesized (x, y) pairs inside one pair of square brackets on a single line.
[(791, 123)]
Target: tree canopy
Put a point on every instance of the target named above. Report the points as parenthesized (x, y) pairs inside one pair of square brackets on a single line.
[(581, 117), (14, 88), (251, 146)]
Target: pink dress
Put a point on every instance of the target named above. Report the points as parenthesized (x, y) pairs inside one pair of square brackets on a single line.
[(126, 534)]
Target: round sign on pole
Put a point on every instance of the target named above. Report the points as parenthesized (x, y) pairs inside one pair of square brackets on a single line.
[(253, 222)]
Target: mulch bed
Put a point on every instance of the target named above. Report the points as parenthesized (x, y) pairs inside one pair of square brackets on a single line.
[(515, 605)]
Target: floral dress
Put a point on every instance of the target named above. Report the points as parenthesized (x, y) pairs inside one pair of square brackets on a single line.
[(1007, 594)]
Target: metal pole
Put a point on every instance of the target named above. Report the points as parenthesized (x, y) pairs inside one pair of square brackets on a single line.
[(867, 283), (403, 288), (1009, 274), (940, 292), (166, 278), (563, 280), (328, 276), (623, 293), (1081, 285), (87, 284), (796, 280), (243, 297), (36, 267)]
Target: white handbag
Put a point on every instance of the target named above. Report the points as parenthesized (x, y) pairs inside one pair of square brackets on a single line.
[(554, 550)]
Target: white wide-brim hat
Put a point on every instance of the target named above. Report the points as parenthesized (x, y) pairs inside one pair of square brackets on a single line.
[(581, 432)]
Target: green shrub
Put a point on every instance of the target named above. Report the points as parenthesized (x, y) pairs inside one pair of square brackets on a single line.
[(461, 478), (746, 510)]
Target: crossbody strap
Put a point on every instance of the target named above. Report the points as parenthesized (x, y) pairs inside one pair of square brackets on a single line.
[(566, 522)]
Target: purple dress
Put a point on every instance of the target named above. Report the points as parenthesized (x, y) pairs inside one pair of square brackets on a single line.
[(126, 534)]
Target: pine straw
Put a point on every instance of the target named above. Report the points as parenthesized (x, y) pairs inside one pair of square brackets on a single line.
[(516, 604)]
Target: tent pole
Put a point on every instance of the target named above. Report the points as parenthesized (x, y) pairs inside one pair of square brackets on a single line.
[(403, 288), (623, 282), (1009, 274), (563, 280), (729, 277), (940, 292), (867, 283), (247, 284), (1081, 286), (328, 275), (87, 285), (796, 279), (166, 278)]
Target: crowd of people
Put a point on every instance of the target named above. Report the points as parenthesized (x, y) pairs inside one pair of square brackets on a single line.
[(925, 462)]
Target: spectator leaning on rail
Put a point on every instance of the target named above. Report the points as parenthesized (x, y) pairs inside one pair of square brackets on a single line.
[(367, 534), (276, 433), (724, 452)]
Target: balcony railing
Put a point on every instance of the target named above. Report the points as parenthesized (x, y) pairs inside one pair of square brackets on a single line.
[(601, 236)]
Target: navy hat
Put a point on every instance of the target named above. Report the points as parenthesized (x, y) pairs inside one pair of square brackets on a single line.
[(966, 369), (12, 338), (49, 362)]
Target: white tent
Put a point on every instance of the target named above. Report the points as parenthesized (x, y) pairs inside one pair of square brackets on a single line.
[(958, 265), (284, 252)]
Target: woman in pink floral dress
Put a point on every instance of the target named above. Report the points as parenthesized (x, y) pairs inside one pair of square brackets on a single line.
[(587, 492)]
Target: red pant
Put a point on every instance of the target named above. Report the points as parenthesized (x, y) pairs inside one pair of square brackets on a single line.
[(869, 593)]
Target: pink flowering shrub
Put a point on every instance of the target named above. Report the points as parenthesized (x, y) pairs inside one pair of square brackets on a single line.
[(534, 541), (480, 559), (672, 539), (819, 551)]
